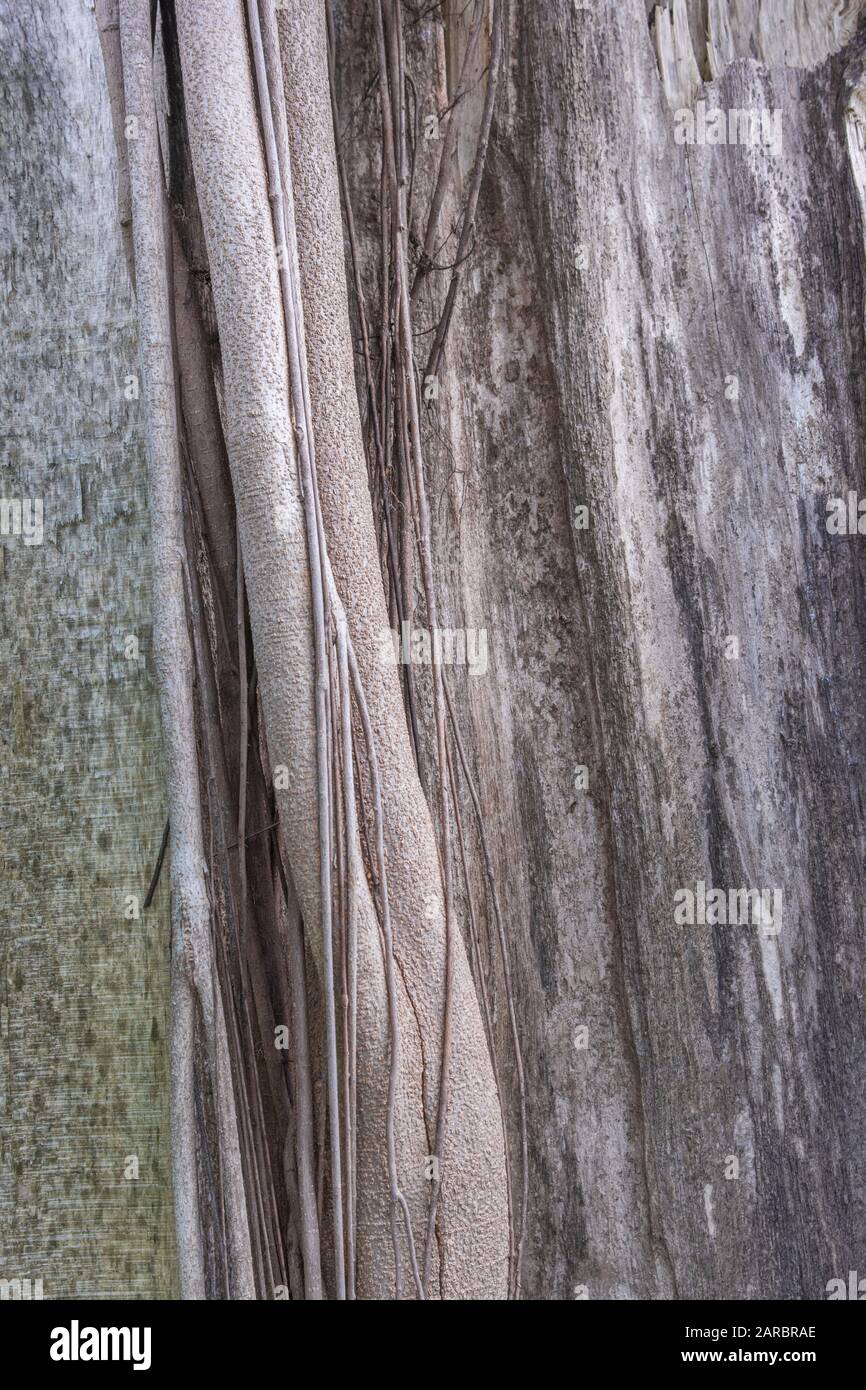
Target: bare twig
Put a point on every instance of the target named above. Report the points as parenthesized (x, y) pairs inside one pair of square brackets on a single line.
[(448, 152), (157, 868)]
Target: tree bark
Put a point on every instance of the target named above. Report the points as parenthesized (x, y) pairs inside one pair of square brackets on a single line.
[(650, 386), (618, 281), (85, 1188)]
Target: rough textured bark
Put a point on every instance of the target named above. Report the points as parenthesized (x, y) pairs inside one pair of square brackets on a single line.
[(84, 985), (473, 1256), (231, 178), (670, 337), (618, 281)]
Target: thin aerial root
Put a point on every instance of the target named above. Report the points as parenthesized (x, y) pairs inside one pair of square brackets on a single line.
[(323, 772), (509, 988)]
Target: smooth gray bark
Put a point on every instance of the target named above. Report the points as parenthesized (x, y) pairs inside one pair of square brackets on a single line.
[(83, 983), (618, 281)]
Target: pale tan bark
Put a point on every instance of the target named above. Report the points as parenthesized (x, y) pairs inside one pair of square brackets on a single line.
[(191, 906), (233, 196), (232, 189), (473, 1222)]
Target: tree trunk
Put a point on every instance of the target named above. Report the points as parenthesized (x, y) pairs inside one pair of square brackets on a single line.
[(85, 1189), (619, 283), (565, 933)]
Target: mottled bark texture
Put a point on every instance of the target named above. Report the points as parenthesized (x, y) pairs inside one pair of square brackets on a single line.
[(473, 1183), (619, 282), (212, 289), (652, 385), (85, 1188)]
